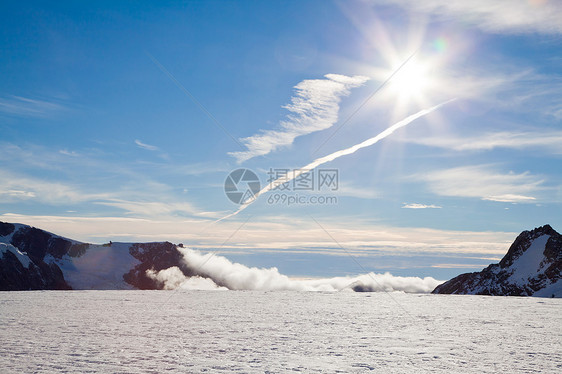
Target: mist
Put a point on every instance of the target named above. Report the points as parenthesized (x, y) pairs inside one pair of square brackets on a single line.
[(218, 273)]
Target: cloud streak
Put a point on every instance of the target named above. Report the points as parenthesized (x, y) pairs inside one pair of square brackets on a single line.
[(314, 107), (26, 107), (420, 206), (499, 16), (148, 147), (482, 182), (17, 187), (545, 141)]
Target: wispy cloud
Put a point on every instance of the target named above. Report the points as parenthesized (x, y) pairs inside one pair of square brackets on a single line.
[(26, 107), (314, 107), (59, 178), (367, 192), (16, 195), (15, 186), (275, 234), (146, 146), (152, 208), (499, 16), (460, 266), (66, 152), (515, 88), (420, 206), (543, 140), (482, 182)]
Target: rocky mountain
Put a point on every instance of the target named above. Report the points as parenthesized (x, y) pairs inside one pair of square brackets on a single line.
[(33, 259), (531, 267)]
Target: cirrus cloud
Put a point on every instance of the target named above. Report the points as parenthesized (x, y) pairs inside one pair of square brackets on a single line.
[(481, 181), (499, 16), (314, 107)]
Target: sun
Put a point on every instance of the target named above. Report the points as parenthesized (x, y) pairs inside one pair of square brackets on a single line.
[(411, 82)]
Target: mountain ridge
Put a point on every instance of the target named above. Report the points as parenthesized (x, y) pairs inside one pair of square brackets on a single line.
[(34, 259), (532, 266)]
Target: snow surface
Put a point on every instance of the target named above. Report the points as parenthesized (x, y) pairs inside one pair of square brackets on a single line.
[(257, 332), (22, 257), (528, 264)]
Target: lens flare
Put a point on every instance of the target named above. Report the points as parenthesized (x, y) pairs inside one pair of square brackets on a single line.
[(440, 44)]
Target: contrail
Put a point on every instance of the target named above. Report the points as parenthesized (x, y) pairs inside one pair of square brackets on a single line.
[(322, 160)]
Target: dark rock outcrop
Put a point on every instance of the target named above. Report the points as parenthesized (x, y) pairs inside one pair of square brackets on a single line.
[(531, 266), (38, 243), (6, 228), (14, 276), (156, 257)]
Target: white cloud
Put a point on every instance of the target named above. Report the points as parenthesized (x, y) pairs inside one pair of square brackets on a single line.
[(498, 16), (420, 206), (173, 278), (146, 146), (314, 108), (237, 276), (544, 141), (25, 107), (482, 182)]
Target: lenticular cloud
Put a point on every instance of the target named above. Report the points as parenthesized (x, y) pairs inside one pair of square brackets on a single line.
[(219, 273)]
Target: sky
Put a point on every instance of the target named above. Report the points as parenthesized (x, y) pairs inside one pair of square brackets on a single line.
[(122, 121)]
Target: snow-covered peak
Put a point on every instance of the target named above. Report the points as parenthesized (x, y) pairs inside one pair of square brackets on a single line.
[(530, 262), (531, 267)]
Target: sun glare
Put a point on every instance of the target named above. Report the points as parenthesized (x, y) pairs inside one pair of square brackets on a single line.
[(411, 82)]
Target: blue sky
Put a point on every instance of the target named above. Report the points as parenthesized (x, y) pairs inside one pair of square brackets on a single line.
[(122, 121)]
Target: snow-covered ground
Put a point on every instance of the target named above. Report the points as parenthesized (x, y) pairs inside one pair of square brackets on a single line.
[(254, 331)]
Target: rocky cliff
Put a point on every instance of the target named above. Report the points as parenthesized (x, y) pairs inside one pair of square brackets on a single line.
[(531, 267)]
